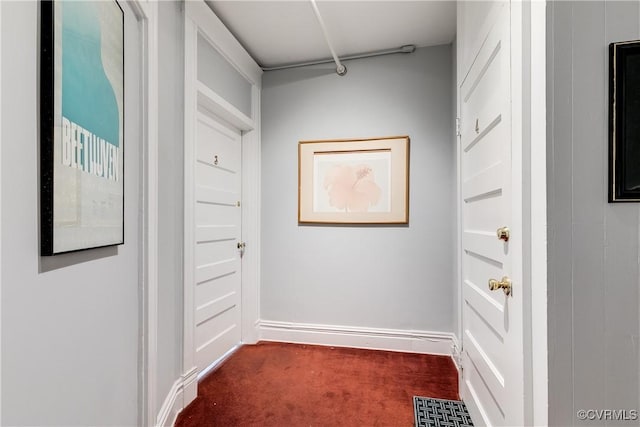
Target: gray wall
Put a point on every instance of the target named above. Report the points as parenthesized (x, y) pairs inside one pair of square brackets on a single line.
[(70, 332), (455, 237), (220, 76), (170, 197), (593, 245), (381, 277)]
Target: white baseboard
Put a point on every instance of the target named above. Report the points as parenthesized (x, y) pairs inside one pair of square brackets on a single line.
[(457, 358), (171, 407), (411, 341), (182, 392), (190, 386), (456, 353)]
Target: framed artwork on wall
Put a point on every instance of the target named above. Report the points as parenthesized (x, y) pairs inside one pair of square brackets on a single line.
[(624, 122), (81, 125), (354, 181)]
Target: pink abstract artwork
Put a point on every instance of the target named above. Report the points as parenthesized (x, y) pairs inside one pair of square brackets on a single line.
[(352, 188), (362, 181), (352, 182)]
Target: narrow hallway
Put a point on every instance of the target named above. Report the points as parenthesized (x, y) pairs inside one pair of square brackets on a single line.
[(277, 384)]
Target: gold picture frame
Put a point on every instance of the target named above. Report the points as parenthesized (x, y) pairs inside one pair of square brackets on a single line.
[(354, 181)]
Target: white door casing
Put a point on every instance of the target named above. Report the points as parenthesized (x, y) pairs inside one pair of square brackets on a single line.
[(0, 216), (492, 334), (147, 15), (217, 239), (201, 99), (534, 88)]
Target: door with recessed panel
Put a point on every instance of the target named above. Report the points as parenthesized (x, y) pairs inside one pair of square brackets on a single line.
[(217, 239), (492, 337)]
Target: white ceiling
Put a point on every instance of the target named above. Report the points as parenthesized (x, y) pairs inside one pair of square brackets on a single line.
[(283, 32)]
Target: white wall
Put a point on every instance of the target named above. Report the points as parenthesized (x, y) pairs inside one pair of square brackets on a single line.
[(170, 197), (593, 283), (70, 323), (368, 276)]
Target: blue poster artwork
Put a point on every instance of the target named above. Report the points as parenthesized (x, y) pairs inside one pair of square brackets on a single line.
[(86, 205), (89, 106)]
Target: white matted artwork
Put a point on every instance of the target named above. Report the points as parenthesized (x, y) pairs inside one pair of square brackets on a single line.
[(363, 181)]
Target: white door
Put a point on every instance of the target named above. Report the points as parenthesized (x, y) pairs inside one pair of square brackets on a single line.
[(217, 239), (492, 357)]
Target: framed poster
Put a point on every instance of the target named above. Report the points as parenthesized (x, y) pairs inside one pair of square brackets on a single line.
[(354, 181), (81, 125), (624, 122)]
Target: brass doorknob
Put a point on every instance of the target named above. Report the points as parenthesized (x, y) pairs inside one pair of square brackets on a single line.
[(504, 284), (241, 245), (503, 233)]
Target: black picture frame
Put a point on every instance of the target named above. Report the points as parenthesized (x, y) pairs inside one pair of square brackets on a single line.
[(81, 126), (624, 121)]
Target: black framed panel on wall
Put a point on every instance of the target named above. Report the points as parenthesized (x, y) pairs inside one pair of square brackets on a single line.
[(624, 121), (81, 125)]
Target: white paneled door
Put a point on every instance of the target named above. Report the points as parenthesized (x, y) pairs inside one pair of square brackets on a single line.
[(217, 239), (492, 356)]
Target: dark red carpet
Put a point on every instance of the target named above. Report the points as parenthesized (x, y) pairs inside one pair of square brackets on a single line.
[(275, 384)]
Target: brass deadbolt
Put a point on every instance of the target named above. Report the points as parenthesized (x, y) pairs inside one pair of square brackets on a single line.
[(504, 284), (503, 233)]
